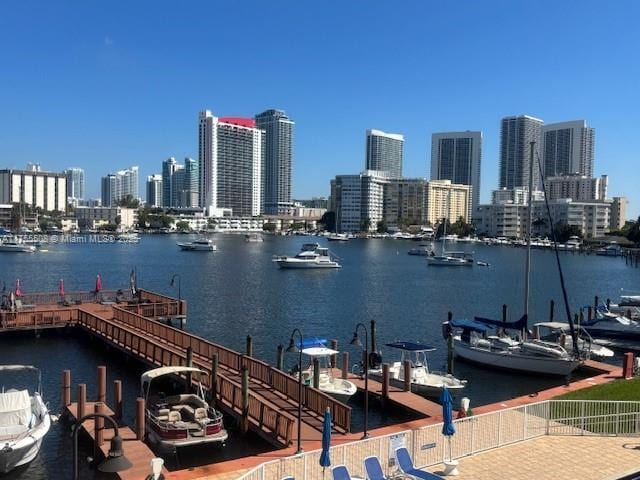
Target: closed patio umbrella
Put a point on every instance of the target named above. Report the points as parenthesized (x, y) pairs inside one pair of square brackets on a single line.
[(61, 288), (98, 283), (325, 460), (18, 289), (448, 428)]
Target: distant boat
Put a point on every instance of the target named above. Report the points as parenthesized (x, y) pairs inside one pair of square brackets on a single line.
[(338, 237), (200, 245), (612, 250), (422, 251), (450, 259), (253, 238), (312, 255), (16, 245)]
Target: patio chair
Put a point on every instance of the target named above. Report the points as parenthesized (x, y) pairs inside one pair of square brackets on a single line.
[(340, 472), (406, 466), (373, 469)]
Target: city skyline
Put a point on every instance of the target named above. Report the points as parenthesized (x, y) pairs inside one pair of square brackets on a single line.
[(107, 65)]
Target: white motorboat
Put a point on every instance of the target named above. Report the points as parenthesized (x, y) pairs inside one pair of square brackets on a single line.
[(611, 250), (253, 238), (451, 259), (24, 421), (611, 325), (424, 251), (630, 300), (336, 387), (472, 342), (178, 417), (338, 237), (128, 237), (16, 245), (312, 255), (423, 381), (559, 333), (199, 245)]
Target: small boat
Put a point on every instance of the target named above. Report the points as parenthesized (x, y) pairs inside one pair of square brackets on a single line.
[(328, 382), (559, 333), (629, 301), (422, 251), (128, 237), (16, 245), (338, 237), (423, 381), (253, 238), (312, 255), (177, 417), (483, 264), (451, 259), (611, 250), (200, 245), (24, 421), (610, 325)]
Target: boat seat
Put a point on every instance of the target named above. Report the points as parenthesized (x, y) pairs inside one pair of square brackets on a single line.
[(163, 411), (177, 408), (175, 417), (163, 418), (200, 413)]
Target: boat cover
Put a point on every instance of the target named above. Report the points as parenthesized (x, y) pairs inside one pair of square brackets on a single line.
[(519, 325), (411, 346), (319, 351), (469, 325), (310, 342), (15, 408)]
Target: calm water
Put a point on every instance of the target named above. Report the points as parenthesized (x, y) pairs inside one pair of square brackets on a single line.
[(238, 291)]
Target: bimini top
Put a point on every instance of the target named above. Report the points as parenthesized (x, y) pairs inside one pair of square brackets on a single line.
[(17, 367), (159, 372), (319, 351), (411, 346), (310, 342), (469, 325)]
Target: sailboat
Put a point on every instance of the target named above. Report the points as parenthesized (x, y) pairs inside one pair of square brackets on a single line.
[(474, 340), (450, 259)]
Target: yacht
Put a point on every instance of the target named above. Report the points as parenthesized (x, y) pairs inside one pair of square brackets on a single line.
[(200, 245), (24, 421), (451, 259), (253, 238), (312, 255), (338, 237), (177, 417), (422, 251), (336, 387), (423, 381), (611, 325), (611, 250), (16, 245)]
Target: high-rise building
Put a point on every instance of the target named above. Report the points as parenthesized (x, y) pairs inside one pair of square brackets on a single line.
[(75, 183), (278, 158), (567, 149), (516, 134), (448, 200), (115, 187), (154, 190), (618, 213), (34, 187), (180, 183), (108, 190), (169, 166), (189, 193), (578, 188), (456, 156), (385, 152), (231, 155)]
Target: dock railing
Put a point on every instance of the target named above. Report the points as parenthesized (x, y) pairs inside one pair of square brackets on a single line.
[(73, 298), (38, 318), (474, 434)]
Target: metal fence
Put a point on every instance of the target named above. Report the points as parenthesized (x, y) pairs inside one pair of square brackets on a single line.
[(474, 434)]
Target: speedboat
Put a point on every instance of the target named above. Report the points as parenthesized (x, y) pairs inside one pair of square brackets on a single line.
[(177, 417), (24, 421), (200, 245), (629, 300), (473, 341), (336, 387), (558, 332), (128, 237), (312, 255), (338, 237), (253, 238), (16, 245), (610, 325), (423, 381)]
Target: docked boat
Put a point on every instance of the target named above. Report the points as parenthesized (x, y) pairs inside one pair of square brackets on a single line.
[(24, 421), (629, 301), (559, 333), (200, 245), (16, 245), (128, 237), (606, 324), (336, 387), (611, 250), (338, 237), (423, 380), (177, 417), (253, 238), (312, 255), (451, 259)]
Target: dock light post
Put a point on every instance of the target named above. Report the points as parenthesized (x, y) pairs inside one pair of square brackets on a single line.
[(355, 341), (115, 461), (292, 348)]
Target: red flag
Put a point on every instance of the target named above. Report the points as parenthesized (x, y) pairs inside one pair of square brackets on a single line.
[(98, 283), (18, 290), (61, 288)]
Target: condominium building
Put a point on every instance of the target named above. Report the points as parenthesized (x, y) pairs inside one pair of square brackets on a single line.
[(154, 190), (516, 134), (122, 184), (406, 201), (180, 183), (97, 217), (456, 156), (358, 200), (75, 183), (567, 149), (278, 159), (169, 168), (385, 152), (618, 215), (517, 196), (108, 190), (448, 200), (231, 156), (35, 188), (579, 188)]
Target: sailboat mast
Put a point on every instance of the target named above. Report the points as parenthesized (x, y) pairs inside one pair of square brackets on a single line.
[(527, 269)]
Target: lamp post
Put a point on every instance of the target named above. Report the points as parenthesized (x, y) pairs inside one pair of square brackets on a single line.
[(355, 341), (115, 461), (292, 348), (173, 280)]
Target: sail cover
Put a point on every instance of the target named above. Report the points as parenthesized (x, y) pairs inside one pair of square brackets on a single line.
[(15, 408), (518, 325)]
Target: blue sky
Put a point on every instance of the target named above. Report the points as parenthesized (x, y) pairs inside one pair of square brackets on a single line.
[(105, 85)]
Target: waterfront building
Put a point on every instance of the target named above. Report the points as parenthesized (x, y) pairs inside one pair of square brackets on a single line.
[(384, 152), (97, 217), (448, 200), (406, 201), (278, 160), (115, 187), (500, 219), (567, 149), (108, 190), (231, 156), (618, 216), (154, 190), (315, 202), (169, 167), (35, 188), (457, 156), (516, 133), (9, 219), (188, 197), (517, 196), (358, 200), (75, 183), (579, 188)]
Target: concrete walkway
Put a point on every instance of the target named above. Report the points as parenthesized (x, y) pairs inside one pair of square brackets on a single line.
[(553, 458)]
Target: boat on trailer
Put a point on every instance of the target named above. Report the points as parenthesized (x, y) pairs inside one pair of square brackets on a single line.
[(24, 421), (177, 417)]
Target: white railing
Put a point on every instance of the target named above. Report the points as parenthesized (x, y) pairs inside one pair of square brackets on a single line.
[(473, 434)]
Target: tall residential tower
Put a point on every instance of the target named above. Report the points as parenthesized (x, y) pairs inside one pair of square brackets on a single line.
[(567, 149), (385, 152), (516, 133), (75, 183)]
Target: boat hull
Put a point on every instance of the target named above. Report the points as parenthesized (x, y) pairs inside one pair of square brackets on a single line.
[(305, 265), (419, 388), (446, 262), (23, 451)]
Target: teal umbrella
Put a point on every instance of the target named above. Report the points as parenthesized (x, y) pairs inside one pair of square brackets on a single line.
[(325, 460)]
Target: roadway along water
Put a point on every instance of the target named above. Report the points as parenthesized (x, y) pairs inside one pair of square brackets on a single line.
[(238, 291)]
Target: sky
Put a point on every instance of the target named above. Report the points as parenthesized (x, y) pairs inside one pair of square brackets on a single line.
[(107, 85)]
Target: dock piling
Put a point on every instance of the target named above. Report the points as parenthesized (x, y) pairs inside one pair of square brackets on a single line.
[(140, 413), (117, 398), (316, 373), (98, 430), (189, 363), (552, 306), (595, 301), (373, 336), (627, 366), (66, 388), (385, 380), (407, 375), (244, 424), (249, 346), (214, 377), (334, 358), (280, 358), (590, 313), (82, 400), (102, 384), (504, 313), (345, 365), (608, 303), (450, 354)]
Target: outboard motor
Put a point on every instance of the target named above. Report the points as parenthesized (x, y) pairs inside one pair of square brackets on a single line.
[(375, 360), (446, 330)]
